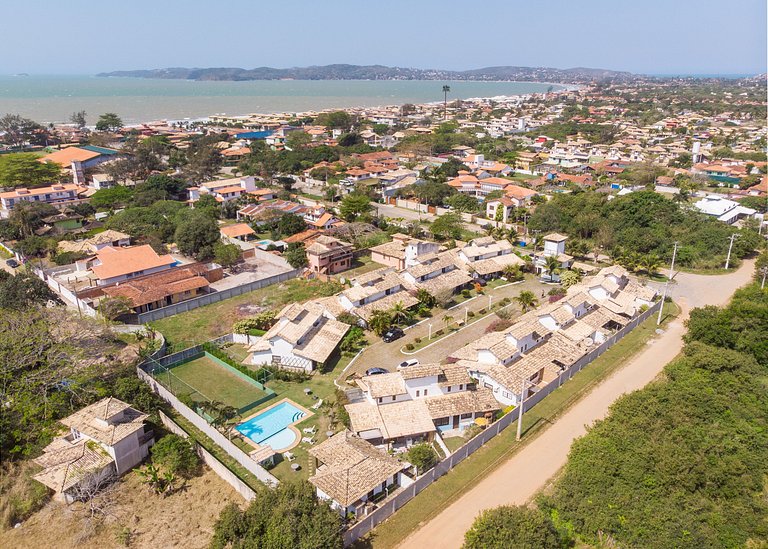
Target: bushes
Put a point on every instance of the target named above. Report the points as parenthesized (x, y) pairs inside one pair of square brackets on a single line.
[(466, 294), (498, 325), (423, 456), (262, 321), (409, 347), (514, 526), (175, 455), (354, 340)]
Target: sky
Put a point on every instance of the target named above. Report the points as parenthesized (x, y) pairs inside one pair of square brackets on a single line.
[(641, 36)]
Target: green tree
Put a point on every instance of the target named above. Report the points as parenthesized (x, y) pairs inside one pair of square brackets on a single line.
[(463, 203), (226, 254), (380, 321), (17, 131), (25, 170), (176, 455), (354, 205), (23, 291), (28, 216), (290, 224), (526, 300), (109, 122), (114, 197), (569, 278), (514, 527), (78, 119), (399, 313), (289, 515), (423, 456), (296, 255), (446, 90), (448, 225), (113, 308), (335, 120), (551, 266), (196, 235)]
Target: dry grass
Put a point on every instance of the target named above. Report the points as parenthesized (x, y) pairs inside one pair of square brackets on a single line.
[(20, 495), (183, 519)]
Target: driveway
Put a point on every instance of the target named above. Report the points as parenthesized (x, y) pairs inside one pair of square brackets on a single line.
[(527, 471), (389, 355), (263, 265)]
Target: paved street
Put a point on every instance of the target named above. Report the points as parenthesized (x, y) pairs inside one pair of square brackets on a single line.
[(389, 355), (527, 471)]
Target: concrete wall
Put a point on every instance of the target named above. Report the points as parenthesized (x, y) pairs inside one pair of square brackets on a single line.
[(211, 461), (214, 297), (237, 454), (398, 499)]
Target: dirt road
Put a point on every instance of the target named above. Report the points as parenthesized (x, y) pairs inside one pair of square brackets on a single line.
[(526, 472)]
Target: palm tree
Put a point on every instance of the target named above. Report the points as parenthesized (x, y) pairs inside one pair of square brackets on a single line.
[(511, 272), (552, 266), (380, 321), (650, 264), (526, 300), (448, 319), (399, 313), (446, 89)]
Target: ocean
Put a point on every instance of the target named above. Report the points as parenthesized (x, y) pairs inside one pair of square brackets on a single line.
[(48, 99)]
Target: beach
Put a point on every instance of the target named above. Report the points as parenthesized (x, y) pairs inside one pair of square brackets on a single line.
[(52, 99)]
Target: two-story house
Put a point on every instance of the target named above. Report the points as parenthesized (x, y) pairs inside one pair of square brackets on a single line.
[(328, 255), (106, 439)]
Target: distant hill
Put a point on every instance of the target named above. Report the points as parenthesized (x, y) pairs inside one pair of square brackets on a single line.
[(378, 72)]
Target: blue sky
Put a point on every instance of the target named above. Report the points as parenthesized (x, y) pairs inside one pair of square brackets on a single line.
[(644, 36)]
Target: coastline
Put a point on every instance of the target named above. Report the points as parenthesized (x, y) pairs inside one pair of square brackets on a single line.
[(50, 98)]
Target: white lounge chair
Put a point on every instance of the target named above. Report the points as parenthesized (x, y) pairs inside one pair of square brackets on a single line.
[(317, 404), (308, 440), (310, 430), (289, 456)]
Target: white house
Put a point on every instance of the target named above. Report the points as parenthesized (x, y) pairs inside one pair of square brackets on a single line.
[(223, 190), (353, 474), (554, 246), (105, 439), (303, 337), (723, 209)]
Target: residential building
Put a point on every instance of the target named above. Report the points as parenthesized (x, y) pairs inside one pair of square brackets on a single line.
[(328, 255), (727, 211), (60, 194), (303, 337), (154, 291), (95, 243), (353, 474), (112, 265), (403, 251), (106, 439), (238, 231), (223, 190), (554, 246)]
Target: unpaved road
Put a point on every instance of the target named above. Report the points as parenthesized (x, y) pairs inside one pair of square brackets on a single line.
[(525, 473)]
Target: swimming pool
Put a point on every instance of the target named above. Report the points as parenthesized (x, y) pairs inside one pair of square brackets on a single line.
[(271, 426)]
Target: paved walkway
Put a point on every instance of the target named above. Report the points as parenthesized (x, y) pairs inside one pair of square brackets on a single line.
[(388, 355), (526, 472)]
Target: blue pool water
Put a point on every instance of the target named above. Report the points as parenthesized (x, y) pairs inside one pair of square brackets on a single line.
[(270, 427)]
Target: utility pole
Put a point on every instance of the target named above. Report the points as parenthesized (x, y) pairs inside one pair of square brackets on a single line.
[(666, 284), (522, 409), (730, 247)]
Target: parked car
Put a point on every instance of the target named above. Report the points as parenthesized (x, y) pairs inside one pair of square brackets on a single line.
[(392, 334), (12, 263), (375, 371), (407, 363), (478, 280)]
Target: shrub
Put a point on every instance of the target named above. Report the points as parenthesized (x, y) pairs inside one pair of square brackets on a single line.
[(175, 455), (506, 301), (439, 332), (423, 456), (514, 526), (482, 311), (261, 321), (498, 325), (466, 294), (417, 340), (409, 347), (504, 313), (348, 318), (471, 314)]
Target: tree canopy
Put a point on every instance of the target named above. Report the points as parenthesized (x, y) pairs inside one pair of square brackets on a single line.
[(286, 516), (25, 170), (109, 122), (513, 527), (197, 234), (688, 450)]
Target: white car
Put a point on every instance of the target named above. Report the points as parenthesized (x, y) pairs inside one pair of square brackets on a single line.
[(407, 363)]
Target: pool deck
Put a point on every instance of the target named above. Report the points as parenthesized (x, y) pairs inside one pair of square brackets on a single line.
[(291, 426)]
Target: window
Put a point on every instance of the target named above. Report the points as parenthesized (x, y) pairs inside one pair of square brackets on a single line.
[(425, 392), (394, 398), (449, 388), (461, 386), (418, 393), (466, 416)]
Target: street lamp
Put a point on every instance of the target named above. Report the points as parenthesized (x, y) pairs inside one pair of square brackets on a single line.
[(430, 332), (730, 247), (466, 310), (763, 271), (666, 284)]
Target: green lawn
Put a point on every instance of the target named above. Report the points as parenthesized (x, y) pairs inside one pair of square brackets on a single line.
[(213, 382), (361, 265), (205, 323), (440, 494)]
